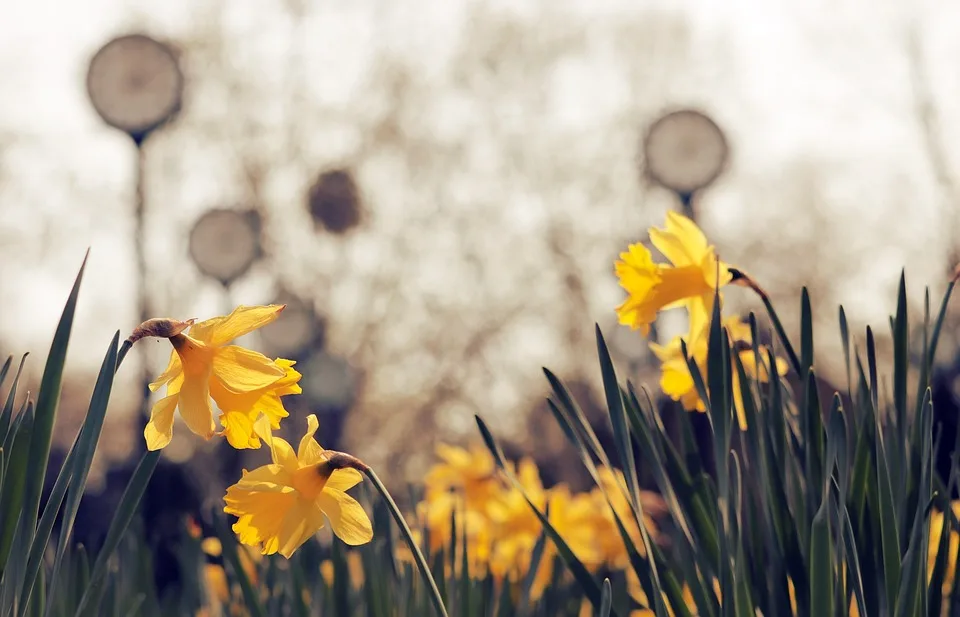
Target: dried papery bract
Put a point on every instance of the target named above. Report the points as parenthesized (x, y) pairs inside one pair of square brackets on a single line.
[(160, 327)]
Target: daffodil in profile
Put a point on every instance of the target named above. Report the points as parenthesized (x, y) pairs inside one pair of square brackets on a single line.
[(694, 273), (204, 365), (281, 505)]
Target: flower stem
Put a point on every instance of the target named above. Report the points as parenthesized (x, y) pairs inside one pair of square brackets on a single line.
[(408, 536)]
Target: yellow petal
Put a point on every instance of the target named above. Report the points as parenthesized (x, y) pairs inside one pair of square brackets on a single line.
[(347, 518), (173, 369), (242, 370), (272, 408), (267, 478), (310, 452), (674, 286), (346, 479), (260, 515), (682, 242), (243, 320), (238, 429), (195, 406), (201, 330), (301, 521), (283, 454), (159, 430), (263, 430)]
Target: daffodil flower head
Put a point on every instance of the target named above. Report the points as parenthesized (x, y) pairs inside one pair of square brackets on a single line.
[(203, 364), (281, 505), (694, 272)]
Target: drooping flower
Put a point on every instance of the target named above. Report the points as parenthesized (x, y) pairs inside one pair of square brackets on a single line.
[(241, 410), (281, 505), (203, 364), (694, 273)]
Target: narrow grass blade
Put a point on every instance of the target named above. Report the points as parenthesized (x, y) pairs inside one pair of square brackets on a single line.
[(6, 414), (821, 563), (606, 599), (48, 399), (889, 529), (408, 536), (565, 400), (938, 324), (900, 359), (118, 526), (15, 479), (86, 446), (774, 319), (618, 420)]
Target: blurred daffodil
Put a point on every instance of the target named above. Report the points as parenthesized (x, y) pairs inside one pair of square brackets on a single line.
[(676, 380), (204, 364), (281, 505), (953, 547), (467, 471), (694, 273)]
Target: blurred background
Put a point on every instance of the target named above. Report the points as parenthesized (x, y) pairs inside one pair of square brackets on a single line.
[(438, 190)]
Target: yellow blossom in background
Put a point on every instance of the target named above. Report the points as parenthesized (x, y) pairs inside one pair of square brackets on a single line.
[(514, 527), (436, 513), (470, 472), (676, 380), (502, 530), (691, 275), (204, 364), (281, 505), (953, 547), (354, 568)]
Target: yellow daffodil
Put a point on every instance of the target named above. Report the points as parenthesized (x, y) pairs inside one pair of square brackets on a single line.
[(281, 505), (203, 364), (436, 513), (676, 380), (692, 273), (470, 472), (241, 410)]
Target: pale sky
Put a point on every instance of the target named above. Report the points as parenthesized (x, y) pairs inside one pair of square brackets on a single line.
[(793, 84)]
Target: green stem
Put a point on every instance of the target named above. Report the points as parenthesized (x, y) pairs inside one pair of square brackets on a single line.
[(408, 536)]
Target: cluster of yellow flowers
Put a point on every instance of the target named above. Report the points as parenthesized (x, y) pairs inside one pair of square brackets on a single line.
[(501, 529), (690, 281), (280, 505)]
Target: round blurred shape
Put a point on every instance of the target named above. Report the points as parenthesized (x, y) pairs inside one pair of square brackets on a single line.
[(329, 382), (685, 151), (224, 243), (135, 84), (334, 201), (298, 328)]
